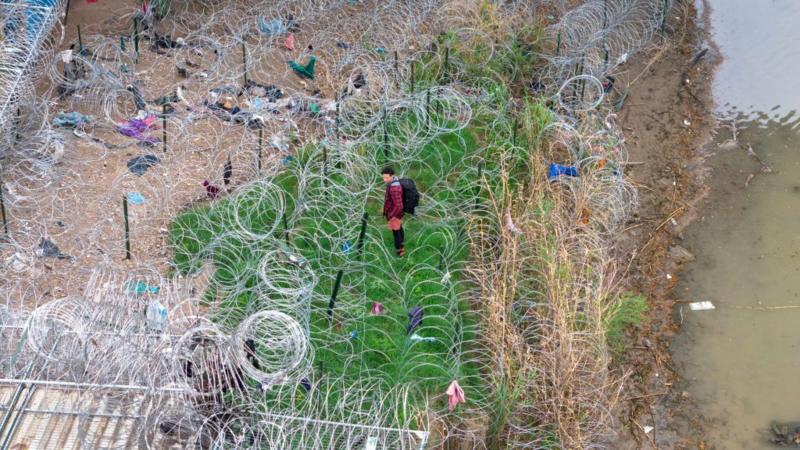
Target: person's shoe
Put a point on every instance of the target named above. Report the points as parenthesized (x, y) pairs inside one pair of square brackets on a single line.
[(401, 252)]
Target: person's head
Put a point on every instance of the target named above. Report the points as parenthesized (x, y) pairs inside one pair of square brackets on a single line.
[(387, 173)]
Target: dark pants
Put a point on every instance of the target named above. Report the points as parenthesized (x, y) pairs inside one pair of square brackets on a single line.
[(399, 237)]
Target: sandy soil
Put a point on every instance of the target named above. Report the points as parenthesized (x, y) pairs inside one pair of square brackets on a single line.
[(667, 119)]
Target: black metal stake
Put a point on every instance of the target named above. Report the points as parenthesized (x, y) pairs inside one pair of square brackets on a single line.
[(80, 41), (332, 301), (164, 125), (136, 38), (514, 132), (18, 123), (446, 63), (396, 63), (285, 228), (385, 137), (66, 13), (127, 227), (428, 103), (244, 61), (258, 150), (363, 233), (3, 210), (412, 76)]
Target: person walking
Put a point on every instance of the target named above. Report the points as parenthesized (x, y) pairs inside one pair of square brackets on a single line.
[(393, 208)]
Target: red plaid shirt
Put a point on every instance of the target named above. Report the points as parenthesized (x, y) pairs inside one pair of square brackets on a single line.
[(393, 200)]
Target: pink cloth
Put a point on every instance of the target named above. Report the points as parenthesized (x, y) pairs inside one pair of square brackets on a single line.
[(289, 43), (455, 395), (377, 308)]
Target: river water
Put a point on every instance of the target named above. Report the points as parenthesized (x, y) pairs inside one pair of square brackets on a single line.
[(741, 360)]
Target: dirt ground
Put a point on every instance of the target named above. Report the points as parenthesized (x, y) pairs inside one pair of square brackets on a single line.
[(667, 118)]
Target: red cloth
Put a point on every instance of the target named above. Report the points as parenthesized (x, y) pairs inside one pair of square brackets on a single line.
[(289, 43), (393, 201)]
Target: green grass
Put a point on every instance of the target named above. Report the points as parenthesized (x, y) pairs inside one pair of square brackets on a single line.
[(382, 353), (626, 311)]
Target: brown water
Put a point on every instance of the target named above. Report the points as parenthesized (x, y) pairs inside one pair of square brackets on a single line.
[(742, 360)]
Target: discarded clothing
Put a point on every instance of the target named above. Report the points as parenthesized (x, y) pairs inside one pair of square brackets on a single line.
[(417, 338), (270, 92), (306, 71), (273, 27), (135, 128), (227, 172), (415, 316), (377, 308), (135, 198), (48, 249), (140, 164), (288, 44), (138, 98), (156, 315), (556, 170), (455, 395), (211, 190), (70, 119), (139, 288), (305, 384)]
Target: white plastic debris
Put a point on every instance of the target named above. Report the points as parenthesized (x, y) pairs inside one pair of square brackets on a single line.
[(669, 277), (623, 58), (446, 278), (647, 429), (686, 122), (66, 56), (701, 306), (372, 443), (156, 315)]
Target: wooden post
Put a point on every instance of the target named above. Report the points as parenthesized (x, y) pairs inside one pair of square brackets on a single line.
[(396, 63), (127, 227), (363, 233), (3, 210), (244, 61), (164, 125), (335, 292)]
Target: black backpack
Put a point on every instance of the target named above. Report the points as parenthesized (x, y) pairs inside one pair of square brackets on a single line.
[(410, 195)]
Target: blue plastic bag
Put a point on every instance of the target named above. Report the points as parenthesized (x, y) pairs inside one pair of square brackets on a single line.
[(556, 170)]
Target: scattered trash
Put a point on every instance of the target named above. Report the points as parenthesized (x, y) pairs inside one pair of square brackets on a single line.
[(647, 429), (135, 128), (701, 306), (289, 42), (623, 58), (211, 190), (415, 316), (372, 443), (417, 338), (510, 224), (781, 434), (764, 168), (156, 315), (17, 262), (342, 45), (273, 27), (306, 71), (455, 395), (354, 334), (556, 170), (135, 198), (48, 249), (71, 119), (686, 122), (139, 288), (140, 164), (279, 141), (314, 108), (272, 93), (227, 172), (346, 247), (380, 50), (287, 160), (306, 384), (377, 308), (669, 277), (445, 278)]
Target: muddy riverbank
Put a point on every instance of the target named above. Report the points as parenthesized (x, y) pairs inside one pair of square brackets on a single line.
[(667, 118)]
